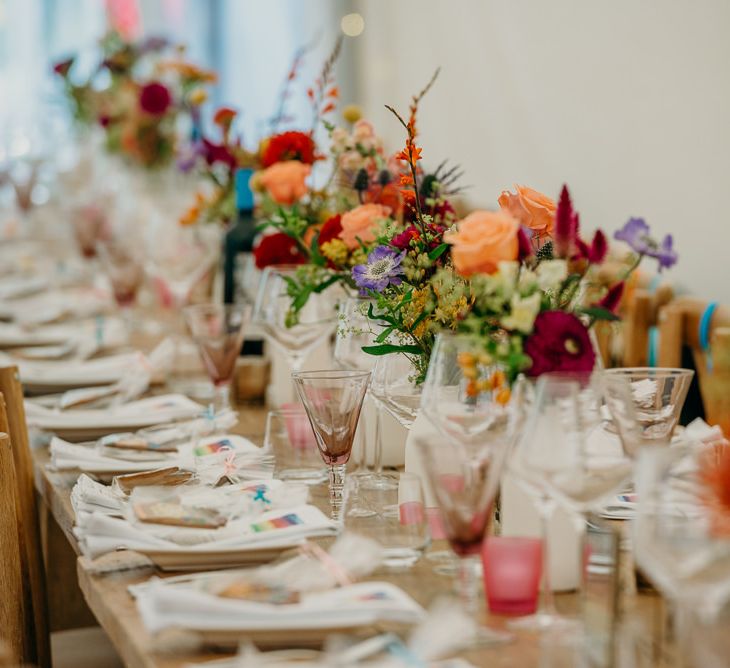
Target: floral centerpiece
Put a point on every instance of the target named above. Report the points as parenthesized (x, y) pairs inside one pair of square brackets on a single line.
[(138, 96), (521, 280)]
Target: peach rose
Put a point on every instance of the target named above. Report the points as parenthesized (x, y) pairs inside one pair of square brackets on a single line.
[(482, 240), (362, 223), (531, 208), (285, 181)]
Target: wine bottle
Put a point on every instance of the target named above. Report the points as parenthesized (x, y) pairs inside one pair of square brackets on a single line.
[(240, 236)]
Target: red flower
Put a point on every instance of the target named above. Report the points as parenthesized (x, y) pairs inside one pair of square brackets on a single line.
[(559, 342), (218, 153), (289, 146), (330, 230), (402, 241), (278, 248), (62, 67), (155, 99)]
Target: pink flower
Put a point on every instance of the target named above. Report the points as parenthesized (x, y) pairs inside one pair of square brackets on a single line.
[(559, 342), (361, 224), (285, 181)]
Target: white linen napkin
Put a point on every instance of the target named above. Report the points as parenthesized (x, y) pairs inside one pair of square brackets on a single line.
[(142, 413), (162, 606), (98, 533)]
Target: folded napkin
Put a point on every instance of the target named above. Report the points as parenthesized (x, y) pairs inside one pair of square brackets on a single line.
[(13, 287), (68, 456), (82, 339), (142, 413), (59, 375), (162, 606), (56, 305), (281, 528), (88, 496)]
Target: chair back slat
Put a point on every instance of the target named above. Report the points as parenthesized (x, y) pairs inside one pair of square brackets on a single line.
[(36, 605), (16, 632), (679, 328)]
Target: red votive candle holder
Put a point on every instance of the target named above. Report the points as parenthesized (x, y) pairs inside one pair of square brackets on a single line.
[(512, 572)]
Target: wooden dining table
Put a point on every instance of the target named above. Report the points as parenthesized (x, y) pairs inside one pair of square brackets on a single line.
[(84, 591)]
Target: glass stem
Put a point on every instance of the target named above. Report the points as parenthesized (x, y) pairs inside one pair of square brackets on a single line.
[(469, 584), (378, 441), (337, 486), (547, 603), (221, 397)]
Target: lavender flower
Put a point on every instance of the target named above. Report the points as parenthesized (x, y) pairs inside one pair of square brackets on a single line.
[(382, 269), (636, 234)]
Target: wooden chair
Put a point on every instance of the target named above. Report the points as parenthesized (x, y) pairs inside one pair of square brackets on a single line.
[(32, 605), (626, 343), (15, 639), (679, 331)]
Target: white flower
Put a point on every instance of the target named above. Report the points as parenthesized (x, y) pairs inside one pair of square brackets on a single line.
[(524, 312), (551, 273)]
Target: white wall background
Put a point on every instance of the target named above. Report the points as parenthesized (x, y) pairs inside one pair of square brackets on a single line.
[(628, 101)]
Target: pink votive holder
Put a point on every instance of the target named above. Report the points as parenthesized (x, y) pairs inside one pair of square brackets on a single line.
[(512, 572)]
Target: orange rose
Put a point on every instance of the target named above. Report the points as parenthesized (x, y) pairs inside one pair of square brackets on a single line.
[(285, 181), (531, 208), (482, 240), (362, 223)]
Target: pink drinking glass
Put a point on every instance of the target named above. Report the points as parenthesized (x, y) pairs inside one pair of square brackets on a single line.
[(512, 572), (218, 331)]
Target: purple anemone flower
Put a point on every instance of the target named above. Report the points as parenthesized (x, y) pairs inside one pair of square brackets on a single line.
[(636, 234), (381, 270)]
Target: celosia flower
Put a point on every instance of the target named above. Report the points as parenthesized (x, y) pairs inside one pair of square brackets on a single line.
[(636, 234), (612, 298), (155, 98), (289, 146), (381, 270), (278, 248), (559, 342)]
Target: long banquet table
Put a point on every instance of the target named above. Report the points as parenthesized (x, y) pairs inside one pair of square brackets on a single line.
[(108, 599)]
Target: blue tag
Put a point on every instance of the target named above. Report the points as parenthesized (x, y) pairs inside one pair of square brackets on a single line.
[(705, 322), (244, 194)]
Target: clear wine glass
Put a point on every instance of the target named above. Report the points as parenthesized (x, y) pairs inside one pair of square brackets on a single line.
[(355, 331), (296, 335), (333, 400), (218, 331), (396, 387), (658, 398), (681, 541), (466, 397), (464, 478), (567, 456)]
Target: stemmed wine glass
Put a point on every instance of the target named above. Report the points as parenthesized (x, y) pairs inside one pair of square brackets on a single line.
[(218, 331), (355, 331), (658, 397), (477, 417), (568, 455), (125, 269), (333, 400), (294, 334), (395, 387)]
